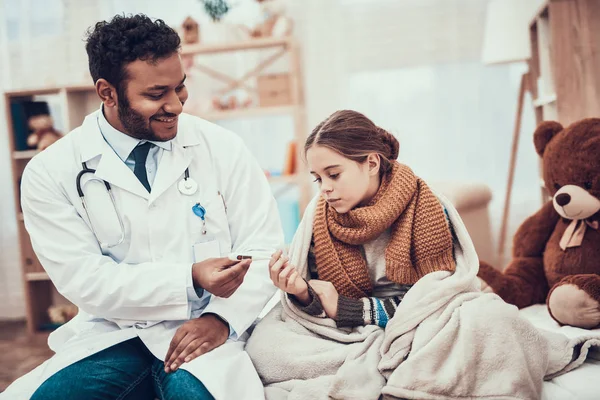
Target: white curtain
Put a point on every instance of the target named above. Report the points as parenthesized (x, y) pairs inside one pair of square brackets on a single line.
[(413, 66)]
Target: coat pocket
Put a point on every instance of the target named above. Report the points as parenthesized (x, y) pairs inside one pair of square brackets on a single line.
[(215, 223)]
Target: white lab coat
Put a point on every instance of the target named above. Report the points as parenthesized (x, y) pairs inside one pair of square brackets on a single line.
[(139, 287)]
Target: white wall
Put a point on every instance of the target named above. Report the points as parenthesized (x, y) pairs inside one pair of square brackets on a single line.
[(414, 67)]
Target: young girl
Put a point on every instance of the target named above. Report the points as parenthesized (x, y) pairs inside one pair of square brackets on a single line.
[(377, 227)]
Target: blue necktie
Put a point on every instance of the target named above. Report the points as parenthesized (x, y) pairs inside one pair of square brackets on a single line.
[(140, 154)]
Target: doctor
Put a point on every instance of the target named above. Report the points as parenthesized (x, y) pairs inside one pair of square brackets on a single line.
[(163, 312)]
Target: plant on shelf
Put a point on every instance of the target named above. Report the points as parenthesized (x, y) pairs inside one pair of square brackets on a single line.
[(216, 9)]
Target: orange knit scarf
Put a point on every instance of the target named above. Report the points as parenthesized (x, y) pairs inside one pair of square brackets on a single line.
[(420, 242)]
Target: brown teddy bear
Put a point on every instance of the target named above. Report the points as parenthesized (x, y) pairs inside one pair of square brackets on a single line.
[(43, 133), (556, 252)]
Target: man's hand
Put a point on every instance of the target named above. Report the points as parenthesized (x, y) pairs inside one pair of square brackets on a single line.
[(220, 276), (328, 295), (194, 338)]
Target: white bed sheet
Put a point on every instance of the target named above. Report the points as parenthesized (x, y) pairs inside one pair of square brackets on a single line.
[(582, 383)]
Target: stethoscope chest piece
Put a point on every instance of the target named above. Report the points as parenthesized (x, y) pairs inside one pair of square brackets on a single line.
[(187, 186)]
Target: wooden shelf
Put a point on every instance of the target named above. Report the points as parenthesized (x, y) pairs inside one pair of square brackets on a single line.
[(563, 40), (542, 10), (80, 88), (545, 100), (37, 276), (251, 112), (48, 90), (24, 155), (253, 44), (33, 92)]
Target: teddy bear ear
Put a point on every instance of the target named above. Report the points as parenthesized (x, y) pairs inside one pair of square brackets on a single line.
[(544, 133)]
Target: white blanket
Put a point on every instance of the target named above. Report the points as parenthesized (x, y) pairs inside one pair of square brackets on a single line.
[(447, 340)]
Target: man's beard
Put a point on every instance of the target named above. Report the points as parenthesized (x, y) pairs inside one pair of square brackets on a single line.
[(133, 122)]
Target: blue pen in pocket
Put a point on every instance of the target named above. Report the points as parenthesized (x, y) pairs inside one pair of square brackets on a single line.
[(200, 212)]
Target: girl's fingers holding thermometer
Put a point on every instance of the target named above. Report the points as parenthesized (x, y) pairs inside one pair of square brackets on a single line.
[(276, 268), (274, 257)]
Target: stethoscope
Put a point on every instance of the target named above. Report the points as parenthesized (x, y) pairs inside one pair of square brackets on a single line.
[(187, 186)]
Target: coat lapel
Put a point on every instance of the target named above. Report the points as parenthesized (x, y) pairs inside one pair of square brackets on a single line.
[(170, 170), (110, 167), (113, 170), (173, 163)]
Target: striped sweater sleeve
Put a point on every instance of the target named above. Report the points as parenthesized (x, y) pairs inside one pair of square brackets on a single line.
[(368, 310), (356, 312)]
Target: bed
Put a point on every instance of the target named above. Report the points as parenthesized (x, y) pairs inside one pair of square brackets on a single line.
[(582, 383)]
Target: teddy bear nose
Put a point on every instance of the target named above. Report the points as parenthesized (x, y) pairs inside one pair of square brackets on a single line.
[(563, 199)]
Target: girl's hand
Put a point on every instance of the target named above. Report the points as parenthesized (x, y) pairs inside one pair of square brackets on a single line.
[(328, 296), (286, 277)]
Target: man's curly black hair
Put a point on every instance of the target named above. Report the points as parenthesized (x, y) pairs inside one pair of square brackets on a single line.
[(112, 45)]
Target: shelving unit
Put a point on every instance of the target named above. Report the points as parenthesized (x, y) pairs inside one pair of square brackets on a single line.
[(24, 154), (77, 101), (564, 77), (252, 112), (37, 276), (253, 44), (284, 47)]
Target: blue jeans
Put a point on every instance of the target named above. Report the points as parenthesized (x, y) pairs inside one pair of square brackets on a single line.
[(125, 371)]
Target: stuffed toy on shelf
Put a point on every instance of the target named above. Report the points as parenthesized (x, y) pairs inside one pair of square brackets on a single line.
[(43, 133), (61, 314)]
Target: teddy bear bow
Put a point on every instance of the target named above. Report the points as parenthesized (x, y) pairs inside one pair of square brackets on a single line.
[(574, 233)]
